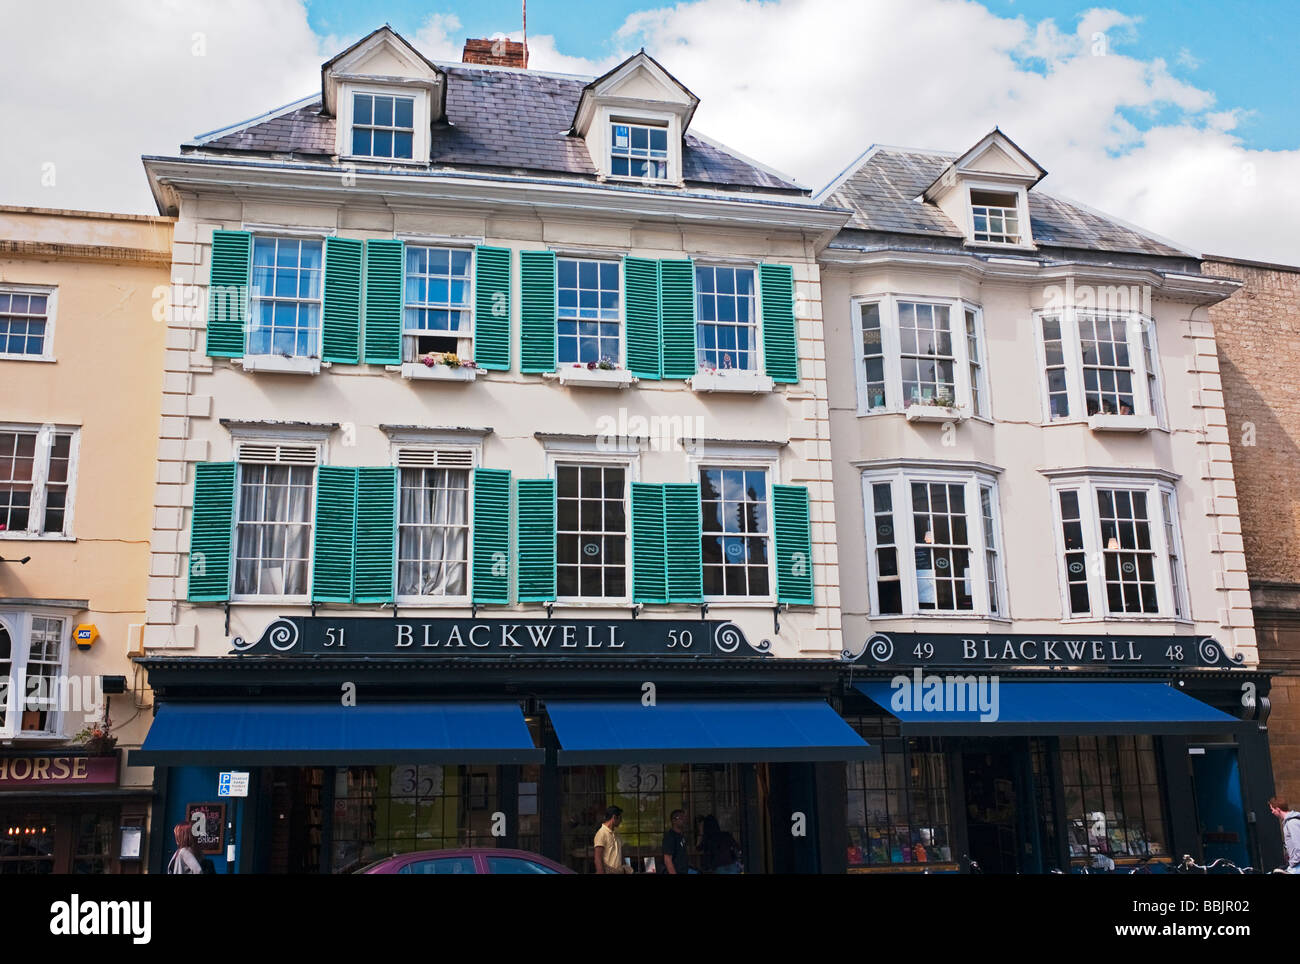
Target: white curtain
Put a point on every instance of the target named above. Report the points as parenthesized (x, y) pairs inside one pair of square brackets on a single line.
[(432, 533), (273, 558)]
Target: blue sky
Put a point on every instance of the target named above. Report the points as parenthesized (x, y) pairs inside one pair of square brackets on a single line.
[(1186, 126), (1246, 53)]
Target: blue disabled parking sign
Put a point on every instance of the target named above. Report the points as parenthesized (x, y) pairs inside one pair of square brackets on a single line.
[(232, 783)]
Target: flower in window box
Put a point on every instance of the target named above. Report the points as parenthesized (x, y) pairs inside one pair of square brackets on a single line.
[(98, 737), (591, 366), (468, 364), (606, 364), (431, 359), (451, 360)]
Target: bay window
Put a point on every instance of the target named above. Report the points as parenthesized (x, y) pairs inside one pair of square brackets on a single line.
[(1119, 548), (920, 352), (934, 543), (33, 658), (1098, 364)]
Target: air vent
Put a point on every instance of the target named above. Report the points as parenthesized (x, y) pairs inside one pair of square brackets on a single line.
[(278, 454), (425, 458)]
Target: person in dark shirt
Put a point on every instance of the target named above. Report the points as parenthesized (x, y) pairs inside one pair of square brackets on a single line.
[(674, 846)]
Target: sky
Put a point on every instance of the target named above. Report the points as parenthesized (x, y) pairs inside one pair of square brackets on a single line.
[(1179, 117)]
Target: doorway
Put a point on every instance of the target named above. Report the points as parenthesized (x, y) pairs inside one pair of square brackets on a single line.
[(989, 778), (1220, 811)]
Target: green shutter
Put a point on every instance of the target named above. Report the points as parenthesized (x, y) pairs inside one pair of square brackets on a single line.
[(492, 308), (682, 542), (780, 332), (677, 317), (641, 311), (537, 311), (336, 523), (491, 575), (793, 530), (228, 282), (341, 316), (385, 264), (535, 525), (211, 531), (374, 577), (649, 578)]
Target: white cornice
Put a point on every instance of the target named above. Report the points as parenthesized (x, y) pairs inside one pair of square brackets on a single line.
[(169, 177), (1200, 288)]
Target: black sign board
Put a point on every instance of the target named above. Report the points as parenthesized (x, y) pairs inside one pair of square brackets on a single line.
[(500, 638), (1007, 651)]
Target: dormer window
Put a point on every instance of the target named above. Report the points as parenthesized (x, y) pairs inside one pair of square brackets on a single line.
[(995, 217), (638, 150), (383, 126)]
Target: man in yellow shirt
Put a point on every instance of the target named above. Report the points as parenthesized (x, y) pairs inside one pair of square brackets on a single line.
[(609, 849)]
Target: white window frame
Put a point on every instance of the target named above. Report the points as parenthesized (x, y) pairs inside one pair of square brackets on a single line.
[(19, 624), (40, 476), (464, 341), (760, 360), (1172, 601), (475, 450), (708, 456), (601, 258), (273, 360), (419, 117), (286, 440), (1022, 212), (666, 122), (51, 294), (891, 345), (900, 481), (578, 454), (1136, 324)]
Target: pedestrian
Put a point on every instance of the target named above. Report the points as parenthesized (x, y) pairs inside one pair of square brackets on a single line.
[(1290, 832), (609, 849), (186, 858), (674, 845), (719, 852)]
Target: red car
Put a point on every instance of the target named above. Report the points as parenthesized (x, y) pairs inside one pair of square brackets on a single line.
[(477, 860)]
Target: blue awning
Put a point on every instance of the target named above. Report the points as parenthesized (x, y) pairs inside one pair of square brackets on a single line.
[(1032, 707), (316, 734), (706, 731)]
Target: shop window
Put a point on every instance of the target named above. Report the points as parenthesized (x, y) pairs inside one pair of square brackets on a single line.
[(1113, 803), (384, 810), (898, 807), (26, 842)]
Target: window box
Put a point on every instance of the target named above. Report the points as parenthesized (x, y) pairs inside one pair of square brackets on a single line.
[(584, 377), (438, 373), (1121, 423), (281, 364), (921, 412), (731, 380)]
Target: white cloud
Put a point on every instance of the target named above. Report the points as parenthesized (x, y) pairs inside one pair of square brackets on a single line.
[(89, 88), (804, 85)]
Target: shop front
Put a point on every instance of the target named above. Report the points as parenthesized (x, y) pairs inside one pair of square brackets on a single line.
[(64, 812), (1013, 754), (367, 737)]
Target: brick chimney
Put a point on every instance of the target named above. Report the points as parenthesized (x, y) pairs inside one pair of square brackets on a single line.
[(497, 52)]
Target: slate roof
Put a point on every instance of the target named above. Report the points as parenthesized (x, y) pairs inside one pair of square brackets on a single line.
[(500, 119), (882, 194)]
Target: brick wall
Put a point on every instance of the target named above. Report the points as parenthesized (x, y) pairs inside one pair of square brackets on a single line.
[(1258, 336)]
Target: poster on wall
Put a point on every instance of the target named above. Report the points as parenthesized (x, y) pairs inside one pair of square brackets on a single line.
[(208, 821)]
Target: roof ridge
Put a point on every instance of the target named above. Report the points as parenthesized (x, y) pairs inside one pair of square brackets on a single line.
[(272, 114)]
